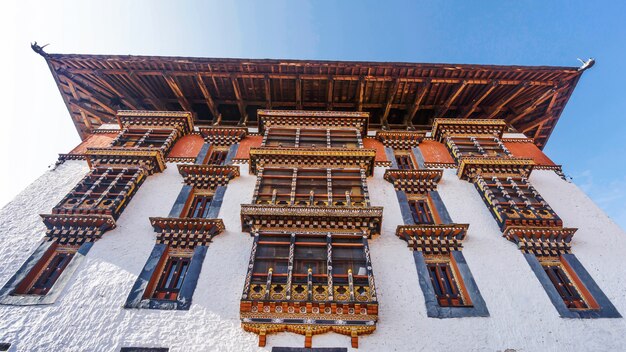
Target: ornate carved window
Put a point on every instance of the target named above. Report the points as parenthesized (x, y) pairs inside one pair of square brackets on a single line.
[(463, 146), (146, 138), (404, 160), (199, 206), (217, 156), (313, 138), (421, 211), (514, 201), (102, 191), (312, 187), (567, 284), (168, 279), (46, 272), (446, 281)]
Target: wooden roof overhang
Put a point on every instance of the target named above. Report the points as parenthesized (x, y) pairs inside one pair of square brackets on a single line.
[(313, 119), (228, 92), (256, 217), (312, 157), (472, 127), (169, 120)]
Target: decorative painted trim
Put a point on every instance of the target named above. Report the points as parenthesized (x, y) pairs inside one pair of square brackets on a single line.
[(180, 159), (152, 160), (433, 239), (208, 176), (6, 297), (186, 232), (76, 229), (433, 309), (179, 120), (302, 118), (400, 139), (447, 126), (254, 216), (311, 157), (223, 136), (414, 181), (542, 241), (606, 308), (469, 167)]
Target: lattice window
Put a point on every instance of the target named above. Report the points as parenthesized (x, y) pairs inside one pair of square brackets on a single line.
[(476, 146), (218, 156), (312, 187), (146, 138), (421, 211), (102, 191), (169, 278), (199, 206), (446, 282), (572, 291), (46, 272), (404, 161), (312, 138), (288, 267), (515, 201)]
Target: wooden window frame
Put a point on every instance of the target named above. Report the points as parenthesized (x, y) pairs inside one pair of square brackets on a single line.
[(217, 155), (423, 199), (575, 289), (156, 288), (290, 187), (404, 160), (48, 268), (455, 282), (289, 137), (195, 194)]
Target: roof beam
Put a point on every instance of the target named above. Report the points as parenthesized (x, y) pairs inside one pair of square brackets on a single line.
[(120, 91), (156, 102), (298, 93), (329, 94), (480, 99), (171, 81), (82, 112), (390, 96), (419, 97), (97, 115), (93, 95), (243, 120), (506, 100), (451, 98), (217, 117), (536, 102)]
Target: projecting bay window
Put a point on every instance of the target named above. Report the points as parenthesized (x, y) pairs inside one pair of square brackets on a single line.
[(312, 187), (170, 275), (146, 138), (47, 271), (476, 146), (312, 138), (102, 191), (446, 281), (569, 287), (310, 267)]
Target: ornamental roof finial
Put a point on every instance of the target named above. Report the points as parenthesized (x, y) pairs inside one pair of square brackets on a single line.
[(39, 49), (586, 64)]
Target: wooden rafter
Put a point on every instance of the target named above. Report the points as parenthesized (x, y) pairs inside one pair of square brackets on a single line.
[(95, 96), (240, 104), (171, 81), (390, 96), (535, 103), (217, 117), (419, 97), (298, 93), (268, 92), (120, 91), (132, 78), (450, 100), (498, 107), (361, 92), (479, 99), (329, 94), (81, 111)]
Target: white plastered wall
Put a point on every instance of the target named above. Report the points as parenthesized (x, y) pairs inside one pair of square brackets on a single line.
[(89, 316)]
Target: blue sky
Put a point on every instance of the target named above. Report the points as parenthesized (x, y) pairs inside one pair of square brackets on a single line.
[(588, 141)]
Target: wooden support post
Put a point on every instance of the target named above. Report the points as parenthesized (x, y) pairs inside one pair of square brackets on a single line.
[(268, 92), (298, 93), (243, 120), (419, 97), (308, 339), (450, 100), (390, 96), (329, 94), (361, 93), (262, 338)]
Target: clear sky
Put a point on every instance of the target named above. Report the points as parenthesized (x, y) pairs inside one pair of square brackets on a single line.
[(589, 139)]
